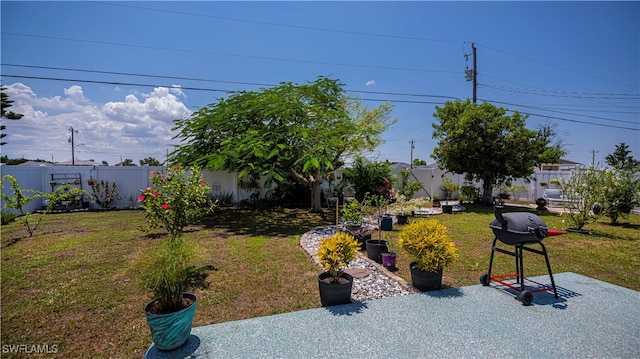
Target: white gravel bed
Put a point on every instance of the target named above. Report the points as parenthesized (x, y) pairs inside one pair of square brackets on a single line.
[(379, 284)]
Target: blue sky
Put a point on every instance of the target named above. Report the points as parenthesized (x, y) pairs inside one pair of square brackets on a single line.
[(573, 64)]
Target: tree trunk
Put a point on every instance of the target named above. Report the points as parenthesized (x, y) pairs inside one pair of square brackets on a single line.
[(316, 203), (487, 189)]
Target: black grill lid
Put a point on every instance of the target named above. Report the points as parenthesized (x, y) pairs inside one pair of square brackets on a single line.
[(517, 227)]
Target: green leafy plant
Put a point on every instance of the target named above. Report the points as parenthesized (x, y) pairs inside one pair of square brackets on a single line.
[(176, 200), (427, 242), (336, 252), (448, 187), (166, 273), (103, 193), (582, 193), (621, 193), (406, 186), (352, 212), (21, 197)]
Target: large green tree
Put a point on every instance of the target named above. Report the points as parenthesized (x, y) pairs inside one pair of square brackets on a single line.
[(621, 159), (9, 115), (484, 143), (303, 130)]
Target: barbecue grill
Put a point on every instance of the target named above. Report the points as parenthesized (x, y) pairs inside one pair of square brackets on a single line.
[(519, 229)]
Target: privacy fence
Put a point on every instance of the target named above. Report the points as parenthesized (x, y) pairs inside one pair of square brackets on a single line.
[(131, 179)]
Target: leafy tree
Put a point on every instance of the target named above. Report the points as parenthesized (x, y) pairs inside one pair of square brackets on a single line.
[(305, 131), (621, 193), (620, 158), (150, 161), (367, 177), (105, 163), (406, 185), (486, 144), (126, 162), (583, 192), (419, 162), (9, 115)]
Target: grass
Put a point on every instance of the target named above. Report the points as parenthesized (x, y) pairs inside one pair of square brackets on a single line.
[(71, 285)]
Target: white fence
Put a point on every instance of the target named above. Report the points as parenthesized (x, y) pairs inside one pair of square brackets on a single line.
[(131, 179)]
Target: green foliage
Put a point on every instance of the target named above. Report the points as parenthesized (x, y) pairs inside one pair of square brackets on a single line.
[(407, 186), (167, 271), (176, 200), (336, 252), (621, 158), (8, 217), (486, 144), (103, 193), (367, 177), (9, 115), (448, 187), (150, 161), (621, 192), (305, 131), (427, 242), (582, 193), (469, 193), (352, 212), (21, 197)]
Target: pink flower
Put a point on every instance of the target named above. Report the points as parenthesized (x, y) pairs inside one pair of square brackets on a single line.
[(155, 194), (141, 198), (153, 172), (165, 206), (202, 182), (148, 188)]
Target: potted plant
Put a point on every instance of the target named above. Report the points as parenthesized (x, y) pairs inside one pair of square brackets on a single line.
[(435, 201), (432, 250), (449, 188), (334, 254), (375, 247), (172, 202)]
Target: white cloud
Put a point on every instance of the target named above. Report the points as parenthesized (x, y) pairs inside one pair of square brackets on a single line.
[(133, 127), (370, 83)]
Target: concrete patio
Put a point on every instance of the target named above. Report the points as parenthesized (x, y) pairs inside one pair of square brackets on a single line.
[(590, 319)]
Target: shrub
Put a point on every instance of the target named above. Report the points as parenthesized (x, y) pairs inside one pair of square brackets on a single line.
[(427, 242), (103, 193), (336, 252), (8, 217)]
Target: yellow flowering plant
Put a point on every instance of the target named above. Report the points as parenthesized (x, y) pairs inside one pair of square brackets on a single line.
[(336, 252)]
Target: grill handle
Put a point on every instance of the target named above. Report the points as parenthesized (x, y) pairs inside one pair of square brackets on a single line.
[(497, 211)]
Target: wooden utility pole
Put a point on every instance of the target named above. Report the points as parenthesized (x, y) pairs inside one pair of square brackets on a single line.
[(73, 146), (472, 75), (475, 72), (412, 142)]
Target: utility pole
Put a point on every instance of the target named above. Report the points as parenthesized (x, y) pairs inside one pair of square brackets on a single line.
[(73, 146), (472, 74), (593, 157), (412, 142)]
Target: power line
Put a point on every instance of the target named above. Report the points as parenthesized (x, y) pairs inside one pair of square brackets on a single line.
[(201, 52), (568, 94), (360, 33), (206, 80), (231, 91)]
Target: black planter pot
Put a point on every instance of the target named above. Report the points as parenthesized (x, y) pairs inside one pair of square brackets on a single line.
[(170, 331), (334, 293), (447, 208), (375, 248), (386, 224), (423, 280), (403, 219)]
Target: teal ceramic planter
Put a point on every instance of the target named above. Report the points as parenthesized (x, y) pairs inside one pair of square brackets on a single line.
[(170, 331)]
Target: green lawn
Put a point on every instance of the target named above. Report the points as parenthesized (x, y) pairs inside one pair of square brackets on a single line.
[(71, 285)]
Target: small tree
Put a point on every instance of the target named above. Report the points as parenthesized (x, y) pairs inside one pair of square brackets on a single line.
[(21, 197), (620, 158), (103, 193), (9, 115), (584, 196), (621, 193)]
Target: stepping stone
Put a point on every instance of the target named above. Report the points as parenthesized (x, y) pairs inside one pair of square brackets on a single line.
[(357, 272)]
